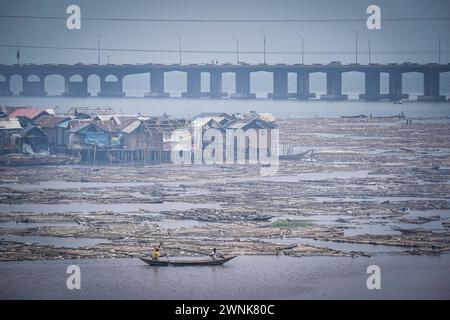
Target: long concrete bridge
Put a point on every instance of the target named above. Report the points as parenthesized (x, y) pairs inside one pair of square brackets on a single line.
[(76, 79)]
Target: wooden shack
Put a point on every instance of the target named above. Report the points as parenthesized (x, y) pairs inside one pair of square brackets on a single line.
[(34, 137), (55, 128)]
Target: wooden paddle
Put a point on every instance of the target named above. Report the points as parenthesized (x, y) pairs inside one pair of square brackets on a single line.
[(165, 253)]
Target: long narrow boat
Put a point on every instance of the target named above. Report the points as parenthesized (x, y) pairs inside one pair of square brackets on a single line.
[(180, 263)]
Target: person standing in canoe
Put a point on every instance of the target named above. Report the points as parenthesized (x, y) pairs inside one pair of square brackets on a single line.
[(155, 252)]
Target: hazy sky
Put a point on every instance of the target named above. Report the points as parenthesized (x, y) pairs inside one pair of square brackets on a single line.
[(332, 36)]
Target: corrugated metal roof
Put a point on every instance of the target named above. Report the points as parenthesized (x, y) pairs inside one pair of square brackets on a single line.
[(200, 122), (29, 113), (245, 124), (110, 125), (103, 117), (10, 124), (237, 124), (9, 109), (131, 127), (50, 121), (82, 127), (211, 115)]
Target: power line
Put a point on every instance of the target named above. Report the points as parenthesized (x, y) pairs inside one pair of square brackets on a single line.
[(306, 20), (221, 51)]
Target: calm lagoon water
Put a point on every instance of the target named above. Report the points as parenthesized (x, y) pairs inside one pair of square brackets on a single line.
[(246, 277), (179, 107)]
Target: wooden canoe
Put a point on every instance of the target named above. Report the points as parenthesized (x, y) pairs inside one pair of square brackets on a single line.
[(180, 263)]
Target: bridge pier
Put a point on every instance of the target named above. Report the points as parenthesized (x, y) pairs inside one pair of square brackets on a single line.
[(372, 81), (5, 87), (431, 87), (157, 85), (395, 86), (303, 86), (280, 85), (334, 87), (33, 88), (215, 85), (194, 85), (243, 86), (76, 88)]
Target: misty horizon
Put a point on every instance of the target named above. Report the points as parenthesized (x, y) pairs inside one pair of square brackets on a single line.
[(401, 41)]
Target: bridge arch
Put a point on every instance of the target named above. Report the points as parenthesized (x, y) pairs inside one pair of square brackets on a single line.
[(292, 82), (261, 83), (136, 85), (228, 81), (16, 84), (76, 78), (412, 83), (111, 78), (353, 83), (205, 81), (175, 81), (318, 82), (2, 78), (54, 84), (33, 78), (445, 83), (93, 84), (384, 82)]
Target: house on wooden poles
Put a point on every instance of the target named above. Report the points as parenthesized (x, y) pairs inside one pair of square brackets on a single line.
[(122, 139), (88, 141), (147, 139), (255, 130)]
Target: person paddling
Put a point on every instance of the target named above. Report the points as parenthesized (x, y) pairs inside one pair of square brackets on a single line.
[(155, 252)]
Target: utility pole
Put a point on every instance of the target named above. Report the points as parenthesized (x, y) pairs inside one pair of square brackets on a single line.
[(370, 54), (237, 49), (439, 48), (179, 45), (303, 47), (108, 59), (264, 41), (18, 53), (98, 49), (356, 46)]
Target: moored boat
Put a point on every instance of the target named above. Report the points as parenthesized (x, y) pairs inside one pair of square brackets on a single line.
[(186, 262)]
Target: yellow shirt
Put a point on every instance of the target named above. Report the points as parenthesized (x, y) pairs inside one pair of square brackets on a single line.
[(155, 255)]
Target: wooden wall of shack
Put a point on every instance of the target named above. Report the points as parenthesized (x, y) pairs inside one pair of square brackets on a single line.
[(36, 138), (143, 138), (57, 137)]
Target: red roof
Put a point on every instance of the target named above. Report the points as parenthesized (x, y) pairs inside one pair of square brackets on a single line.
[(9, 109), (30, 113)]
